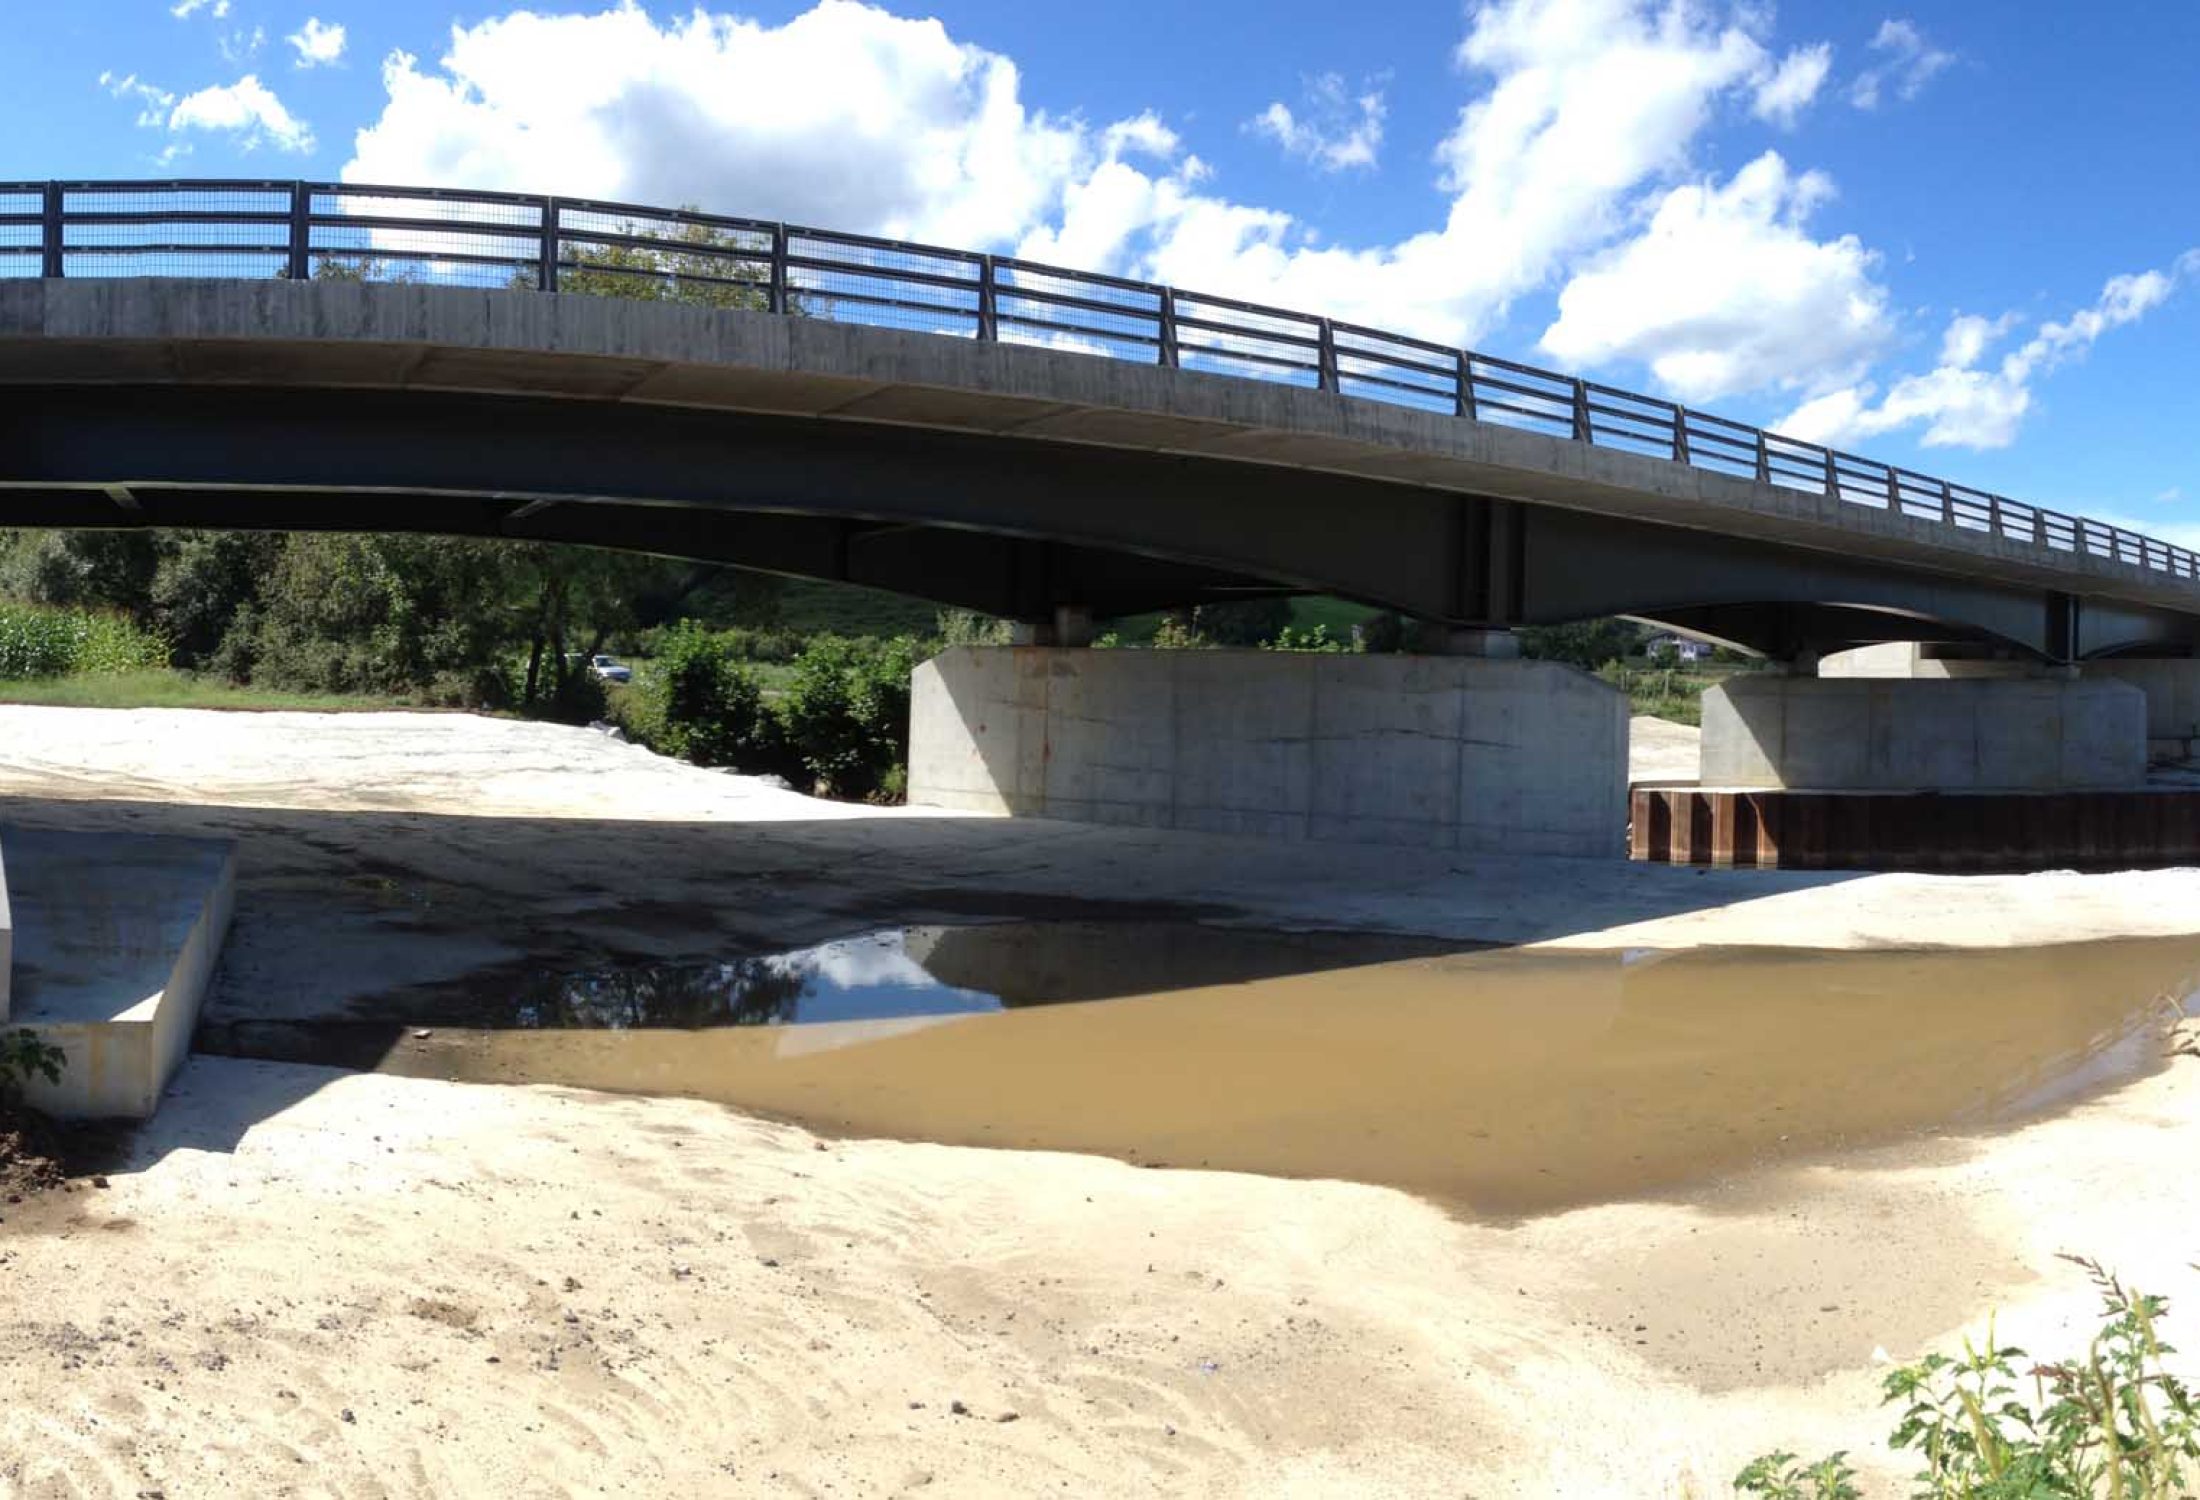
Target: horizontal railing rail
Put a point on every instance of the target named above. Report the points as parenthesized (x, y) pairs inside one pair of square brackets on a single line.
[(520, 241)]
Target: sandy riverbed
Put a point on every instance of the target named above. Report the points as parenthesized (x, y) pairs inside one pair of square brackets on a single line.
[(312, 1282)]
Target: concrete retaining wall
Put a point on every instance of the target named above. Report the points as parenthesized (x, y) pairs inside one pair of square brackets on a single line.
[(1883, 734), (121, 933), (1444, 752), (2172, 689)]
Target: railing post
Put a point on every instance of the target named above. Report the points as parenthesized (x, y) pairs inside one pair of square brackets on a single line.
[(1997, 524), (1584, 432), (546, 265), (1894, 490), (49, 229), (1680, 433), (301, 232), (1764, 459), (989, 319), (1833, 475), (779, 268), (1947, 504), (1325, 374), (1168, 348), (1465, 402)]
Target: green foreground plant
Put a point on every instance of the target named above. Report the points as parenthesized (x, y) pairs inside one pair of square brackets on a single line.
[(24, 1057), (2112, 1424)]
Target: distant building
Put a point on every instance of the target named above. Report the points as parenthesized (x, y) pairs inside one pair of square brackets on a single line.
[(1684, 647)]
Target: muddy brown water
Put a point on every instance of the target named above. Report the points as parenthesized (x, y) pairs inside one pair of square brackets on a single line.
[(1503, 1082)]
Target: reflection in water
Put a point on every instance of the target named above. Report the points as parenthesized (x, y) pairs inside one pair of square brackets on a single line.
[(1507, 1081), (863, 978), (894, 974)]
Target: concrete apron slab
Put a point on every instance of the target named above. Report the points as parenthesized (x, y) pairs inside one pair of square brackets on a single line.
[(116, 936), (1465, 753)]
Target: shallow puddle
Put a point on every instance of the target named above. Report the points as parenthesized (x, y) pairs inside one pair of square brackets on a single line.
[(1505, 1081)]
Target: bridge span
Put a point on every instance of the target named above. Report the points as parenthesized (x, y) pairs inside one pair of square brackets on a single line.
[(1038, 443)]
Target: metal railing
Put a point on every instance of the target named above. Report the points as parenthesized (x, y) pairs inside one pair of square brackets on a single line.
[(519, 241)]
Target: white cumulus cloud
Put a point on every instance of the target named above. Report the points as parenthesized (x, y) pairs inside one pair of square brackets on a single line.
[(184, 10), (1964, 403), (1575, 130), (1906, 62), (1784, 92), (845, 116), (153, 102), (1336, 128), (318, 42), (1727, 291), (247, 111)]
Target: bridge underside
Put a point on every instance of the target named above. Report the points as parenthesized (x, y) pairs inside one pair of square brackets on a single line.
[(1010, 526)]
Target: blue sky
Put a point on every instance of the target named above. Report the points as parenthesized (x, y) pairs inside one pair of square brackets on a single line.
[(1961, 236)]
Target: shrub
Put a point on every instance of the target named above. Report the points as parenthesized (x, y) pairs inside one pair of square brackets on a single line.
[(1383, 633), (967, 627), (1179, 631), (1318, 639), (580, 698), (37, 641), (700, 703), (846, 714)]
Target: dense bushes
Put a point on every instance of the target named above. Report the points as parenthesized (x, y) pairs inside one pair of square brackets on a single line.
[(840, 725), (40, 642), (846, 715), (703, 703)]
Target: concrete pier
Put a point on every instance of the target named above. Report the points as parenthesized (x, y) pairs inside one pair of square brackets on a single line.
[(2171, 684), (2172, 689), (1453, 752), (1888, 734)]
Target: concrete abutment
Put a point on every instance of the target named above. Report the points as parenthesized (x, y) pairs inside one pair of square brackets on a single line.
[(1475, 753)]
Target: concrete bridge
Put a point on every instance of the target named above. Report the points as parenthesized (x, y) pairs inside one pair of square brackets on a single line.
[(300, 356)]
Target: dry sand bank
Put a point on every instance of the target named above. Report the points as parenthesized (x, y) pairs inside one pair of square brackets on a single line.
[(354, 1285)]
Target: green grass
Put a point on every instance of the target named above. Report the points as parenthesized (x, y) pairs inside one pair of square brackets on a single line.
[(167, 689), (1674, 693), (1338, 614), (818, 608)]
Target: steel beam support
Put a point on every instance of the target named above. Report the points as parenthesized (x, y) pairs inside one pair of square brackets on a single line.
[(1015, 527)]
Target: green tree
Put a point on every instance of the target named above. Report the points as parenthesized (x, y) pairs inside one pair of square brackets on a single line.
[(1587, 644), (202, 582), (111, 570), (701, 266), (387, 614)]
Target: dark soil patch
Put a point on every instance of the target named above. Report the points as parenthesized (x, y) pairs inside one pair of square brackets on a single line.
[(30, 1159), (41, 1155)]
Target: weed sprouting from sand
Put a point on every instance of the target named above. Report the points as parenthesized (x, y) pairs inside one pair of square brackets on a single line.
[(1782, 1476), (2110, 1424), (24, 1057)]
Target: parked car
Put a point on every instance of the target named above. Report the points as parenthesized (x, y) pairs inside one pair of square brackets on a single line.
[(610, 669)]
